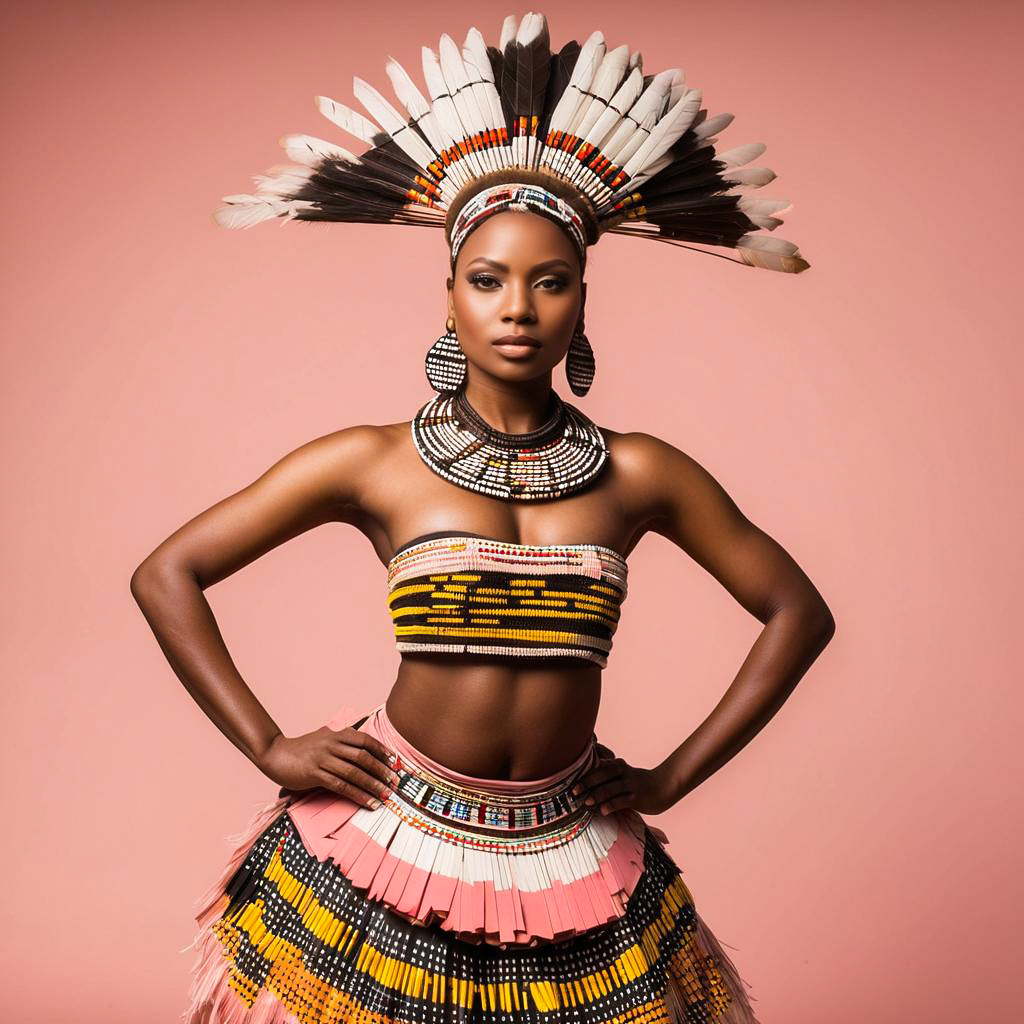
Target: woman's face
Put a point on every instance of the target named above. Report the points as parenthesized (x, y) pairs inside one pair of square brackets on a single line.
[(516, 274)]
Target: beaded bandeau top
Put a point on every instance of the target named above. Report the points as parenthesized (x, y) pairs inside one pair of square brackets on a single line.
[(461, 593)]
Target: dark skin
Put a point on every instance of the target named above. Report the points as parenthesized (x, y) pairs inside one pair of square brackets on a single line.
[(483, 715)]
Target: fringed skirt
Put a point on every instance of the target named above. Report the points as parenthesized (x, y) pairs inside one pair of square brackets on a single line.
[(457, 900)]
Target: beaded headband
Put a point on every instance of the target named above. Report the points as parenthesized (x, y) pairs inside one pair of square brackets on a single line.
[(517, 196), (632, 153)]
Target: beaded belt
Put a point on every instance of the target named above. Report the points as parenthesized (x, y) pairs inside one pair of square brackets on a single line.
[(486, 819)]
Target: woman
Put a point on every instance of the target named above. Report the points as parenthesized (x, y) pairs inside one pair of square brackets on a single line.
[(466, 849)]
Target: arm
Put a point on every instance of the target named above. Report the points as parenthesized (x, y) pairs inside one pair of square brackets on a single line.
[(690, 508), (315, 484)]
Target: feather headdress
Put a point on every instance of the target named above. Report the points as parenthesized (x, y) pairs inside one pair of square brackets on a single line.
[(634, 154)]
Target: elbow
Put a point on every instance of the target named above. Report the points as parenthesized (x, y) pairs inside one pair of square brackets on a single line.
[(811, 618), (141, 582), (150, 578), (820, 624), (827, 627)]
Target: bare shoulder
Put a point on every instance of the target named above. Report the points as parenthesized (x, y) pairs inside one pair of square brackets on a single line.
[(637, 452), (361, 441), (661, 478), (639, 456), (337, 464)]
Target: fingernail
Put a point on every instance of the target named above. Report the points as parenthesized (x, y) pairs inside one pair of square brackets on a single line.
[(395, 778), (392, 757), (374, 804), (589, 800), (576, 790)]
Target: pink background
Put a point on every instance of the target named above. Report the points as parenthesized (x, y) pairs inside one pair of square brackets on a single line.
[(860, 855)]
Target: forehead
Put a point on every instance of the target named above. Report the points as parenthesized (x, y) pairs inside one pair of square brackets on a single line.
[(519, 236)]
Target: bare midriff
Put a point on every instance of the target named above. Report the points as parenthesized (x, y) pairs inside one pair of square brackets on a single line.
[(496, 718)]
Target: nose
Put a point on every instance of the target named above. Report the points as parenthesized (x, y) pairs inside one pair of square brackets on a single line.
[(519, 305)]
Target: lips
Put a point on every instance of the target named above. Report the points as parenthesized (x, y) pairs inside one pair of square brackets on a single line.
[(517, 339)]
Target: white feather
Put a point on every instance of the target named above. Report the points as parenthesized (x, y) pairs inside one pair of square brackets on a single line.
[(665, 132), (587, 63), (478, 68), (283, 180), (741, 154), (643, 115), (767, 243), (618, 106), (463, 97), (244, 211), (607, 80), (349, 120), (761, 211), (713, 125), (770, 253), (393, 123), (612, 117), (450, 127), (414, 101), (508, 31), (311, 151), (755, 177)]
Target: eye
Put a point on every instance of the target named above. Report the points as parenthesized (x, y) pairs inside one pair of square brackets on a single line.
[(477, 279), (558, 282)]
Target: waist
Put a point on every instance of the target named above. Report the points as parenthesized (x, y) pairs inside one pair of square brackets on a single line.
[(495, 722), (422, 767)]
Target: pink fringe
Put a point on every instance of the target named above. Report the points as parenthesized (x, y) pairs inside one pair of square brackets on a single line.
[(210, 905), (473, 911)]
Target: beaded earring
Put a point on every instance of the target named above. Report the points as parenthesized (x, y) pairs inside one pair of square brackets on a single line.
[(579, 363), (446, 362)]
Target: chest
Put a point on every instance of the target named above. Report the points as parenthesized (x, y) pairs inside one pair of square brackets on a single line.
[(406, 500)]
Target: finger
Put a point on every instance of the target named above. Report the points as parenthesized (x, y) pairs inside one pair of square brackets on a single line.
[(365, 741), (356, 776), (600, 773), (606, 791), (617, 803), (334, 784), (365, 760)]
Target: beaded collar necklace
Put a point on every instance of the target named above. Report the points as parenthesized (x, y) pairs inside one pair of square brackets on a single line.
[(562, 456)]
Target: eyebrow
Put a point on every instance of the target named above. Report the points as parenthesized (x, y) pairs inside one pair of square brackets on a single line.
[(557, 261)]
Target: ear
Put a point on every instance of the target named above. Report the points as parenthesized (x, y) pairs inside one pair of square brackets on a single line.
[(450, 283)]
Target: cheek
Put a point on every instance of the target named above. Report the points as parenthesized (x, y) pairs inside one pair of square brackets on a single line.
[(561, 309), (474, 306)]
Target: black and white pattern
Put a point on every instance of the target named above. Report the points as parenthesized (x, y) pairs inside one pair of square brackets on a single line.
[(446, 363), (562, 456)]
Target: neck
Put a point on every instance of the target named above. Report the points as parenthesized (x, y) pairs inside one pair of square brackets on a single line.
[(513, 408)]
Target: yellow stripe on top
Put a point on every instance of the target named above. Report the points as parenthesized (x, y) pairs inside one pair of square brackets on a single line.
[(506, 598)]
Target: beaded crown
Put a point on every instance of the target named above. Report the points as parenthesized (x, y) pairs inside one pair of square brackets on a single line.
[(628, 152)]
